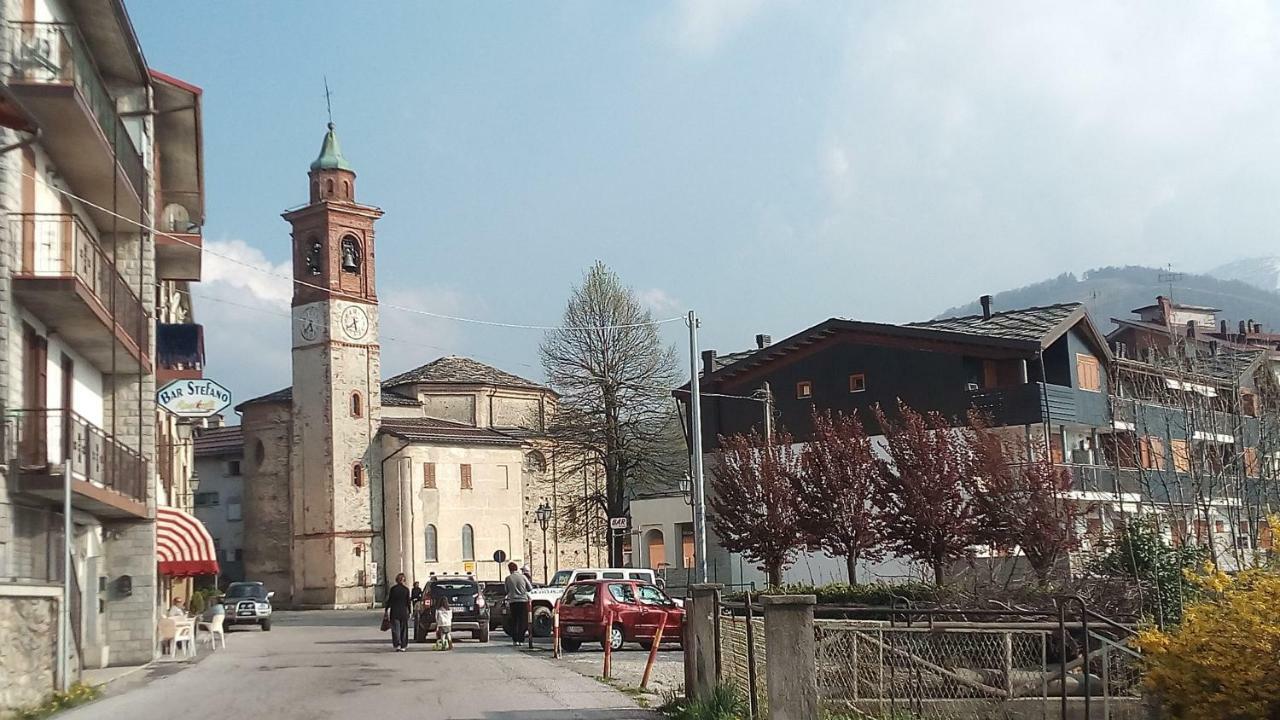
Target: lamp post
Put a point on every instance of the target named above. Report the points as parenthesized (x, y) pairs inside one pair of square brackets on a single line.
[(543, 513)]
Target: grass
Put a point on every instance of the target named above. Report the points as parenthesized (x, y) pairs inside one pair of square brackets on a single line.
[(724, 703), (78, 694)]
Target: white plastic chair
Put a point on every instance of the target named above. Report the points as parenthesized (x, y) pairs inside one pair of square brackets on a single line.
[(185, 636), (168, 630), (213, 631)]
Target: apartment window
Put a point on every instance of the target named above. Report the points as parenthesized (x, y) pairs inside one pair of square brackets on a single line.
[(233, 510), (239, 555), (1151, 453), (429, 475), (1252, 464), (431, 555), (465, 472), (205, 499), (357, 475), (357, 405), (468, 543), (1181, 455), (233, 467), (1088, 373), (857, 383), (804, 390)]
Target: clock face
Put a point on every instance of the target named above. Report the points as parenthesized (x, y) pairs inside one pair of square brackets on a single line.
[(355, 322), (309, 324)]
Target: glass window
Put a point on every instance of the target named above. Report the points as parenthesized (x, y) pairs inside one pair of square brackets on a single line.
[(578, 595), (233, 510), (611, 576), (650, 595), (357, 475), (233, 467), (622, 593), (586, 576), (431, 554), (357, 405), (561, 578), (641, 576), (468, 543), (205, 499)]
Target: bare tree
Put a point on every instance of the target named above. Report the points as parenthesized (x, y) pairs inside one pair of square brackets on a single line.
[(614, 375)]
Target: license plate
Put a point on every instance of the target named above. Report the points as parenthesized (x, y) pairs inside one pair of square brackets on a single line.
[(244, 613), (575, 629), (457, 608)]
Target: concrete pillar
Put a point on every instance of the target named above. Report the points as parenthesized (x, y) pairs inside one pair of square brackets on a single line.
[(792, 672), (702, 617), (405, 507)]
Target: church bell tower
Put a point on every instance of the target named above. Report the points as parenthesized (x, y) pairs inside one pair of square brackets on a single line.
[(336, 387)]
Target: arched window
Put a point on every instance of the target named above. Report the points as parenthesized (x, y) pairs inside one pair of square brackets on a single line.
[(357, 404), (259, 453), (357, 475), (346, 189), (468, 543), (535, 462), (328, 186), (350, 254), (507, 532), (313, 257), (431, 555)]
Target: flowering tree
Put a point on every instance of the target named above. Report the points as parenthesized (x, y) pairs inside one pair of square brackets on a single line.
[(924, 507), (754, 500), (1021, 496), (839, 471)]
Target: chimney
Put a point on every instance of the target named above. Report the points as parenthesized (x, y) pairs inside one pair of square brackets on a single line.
[(1253, 327), (708, 362), (1191, 329), (986, 306), (1222, 329), (1243, 330), (763, 341)]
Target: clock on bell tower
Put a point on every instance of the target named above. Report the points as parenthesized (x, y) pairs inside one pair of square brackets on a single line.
[(336, 385)]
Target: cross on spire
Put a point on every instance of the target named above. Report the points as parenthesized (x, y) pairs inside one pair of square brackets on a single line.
[(328, 103)]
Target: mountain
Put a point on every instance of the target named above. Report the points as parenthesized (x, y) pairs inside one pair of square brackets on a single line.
[(1260, 272), (1113, 291)]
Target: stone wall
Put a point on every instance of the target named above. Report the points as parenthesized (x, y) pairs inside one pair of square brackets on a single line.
[(28, 664), (267, 511), (129, 548)]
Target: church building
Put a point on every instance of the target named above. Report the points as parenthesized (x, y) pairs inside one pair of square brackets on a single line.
[(350, 479)]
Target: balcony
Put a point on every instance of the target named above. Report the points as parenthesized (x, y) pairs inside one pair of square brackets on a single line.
[(1031, 403), (179, 352), (179, 250), (107, 479), (55, 77), (66, 280)]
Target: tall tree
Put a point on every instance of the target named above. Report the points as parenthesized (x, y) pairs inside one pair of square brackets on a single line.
[(614, 375), (1021, 496), (840, 472), (754, 500), (926, 512)]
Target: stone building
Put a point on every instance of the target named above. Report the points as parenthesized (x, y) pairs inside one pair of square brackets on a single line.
[(96, 149), (349, 479)]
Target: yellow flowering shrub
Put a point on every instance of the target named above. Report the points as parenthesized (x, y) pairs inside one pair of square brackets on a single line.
[(1219, 663)]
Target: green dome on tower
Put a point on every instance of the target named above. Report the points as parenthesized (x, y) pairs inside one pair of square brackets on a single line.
[(330, 154)]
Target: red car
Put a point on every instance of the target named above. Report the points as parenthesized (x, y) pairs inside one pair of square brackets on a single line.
[(637, 609)]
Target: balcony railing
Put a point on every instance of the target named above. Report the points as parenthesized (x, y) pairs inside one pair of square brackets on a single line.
[(60, 246), (43, 439), (55, 54)]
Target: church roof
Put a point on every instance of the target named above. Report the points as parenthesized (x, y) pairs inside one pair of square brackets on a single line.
[(455, 370), (285, 395), (432, 430), (330, 154)]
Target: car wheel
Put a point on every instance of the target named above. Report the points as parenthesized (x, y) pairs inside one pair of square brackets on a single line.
[(570, 645), (542, 621), (615, 638), (266, 625)]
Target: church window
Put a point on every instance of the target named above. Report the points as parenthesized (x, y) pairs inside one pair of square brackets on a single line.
[(259, 454), (346, 189), (313, 257), (357, 475), (357, 405), (432, 555), (468, 543), (465, 472), (429, 475), (328, 186), (350, 255)]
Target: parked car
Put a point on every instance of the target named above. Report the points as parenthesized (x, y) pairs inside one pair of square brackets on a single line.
[(544, 598), (495, 598), (466, 599), (637, 609), (247, 603)]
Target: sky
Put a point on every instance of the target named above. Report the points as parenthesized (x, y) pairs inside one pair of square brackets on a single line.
[(767, 164)]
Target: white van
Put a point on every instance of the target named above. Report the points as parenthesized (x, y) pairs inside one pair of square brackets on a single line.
[(544, 598)]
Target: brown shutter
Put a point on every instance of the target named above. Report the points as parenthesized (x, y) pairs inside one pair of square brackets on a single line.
[(428, 475), (466, 476), (1181, 455)]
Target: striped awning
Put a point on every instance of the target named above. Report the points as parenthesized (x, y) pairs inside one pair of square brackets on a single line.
[(184, 547)]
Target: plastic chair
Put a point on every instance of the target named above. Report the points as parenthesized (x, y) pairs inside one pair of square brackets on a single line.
[(185, 636), (213, 631), (168, 630)]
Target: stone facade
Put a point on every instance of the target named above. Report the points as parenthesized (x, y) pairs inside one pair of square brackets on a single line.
[(268, 514), (29, 624)]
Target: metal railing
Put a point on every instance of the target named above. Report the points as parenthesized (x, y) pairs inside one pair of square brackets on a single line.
[(55, 54), (59, 245), (45, 438)]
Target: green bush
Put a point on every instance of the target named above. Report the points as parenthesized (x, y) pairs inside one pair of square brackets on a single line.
[(724, 704), (872, 594)]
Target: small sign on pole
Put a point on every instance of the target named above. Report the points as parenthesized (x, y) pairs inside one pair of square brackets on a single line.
[(619, 523), (469, 568), (193, 398)]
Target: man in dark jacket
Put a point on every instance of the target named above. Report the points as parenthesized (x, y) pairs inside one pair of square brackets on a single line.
[(397, 610)]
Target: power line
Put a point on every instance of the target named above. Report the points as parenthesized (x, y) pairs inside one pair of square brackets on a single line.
[(402, 308)]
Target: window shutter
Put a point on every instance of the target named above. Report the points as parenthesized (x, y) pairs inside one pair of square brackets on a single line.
[(429, 475), (466, 476)]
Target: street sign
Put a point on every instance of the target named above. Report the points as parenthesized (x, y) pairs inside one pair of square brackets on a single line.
[(618, 523), (193, 398), (469, 568), (499, 556)]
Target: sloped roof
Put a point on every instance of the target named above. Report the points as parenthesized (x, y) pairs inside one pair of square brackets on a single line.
[(1030, 324), (330, 157), (456, 370), (389, 398), (433, 430), (219, 441)]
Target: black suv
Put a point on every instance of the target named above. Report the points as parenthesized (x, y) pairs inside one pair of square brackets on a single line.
[(470, 609)]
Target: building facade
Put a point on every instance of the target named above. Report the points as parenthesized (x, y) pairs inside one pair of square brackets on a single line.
[(96, 160), (217, 501)]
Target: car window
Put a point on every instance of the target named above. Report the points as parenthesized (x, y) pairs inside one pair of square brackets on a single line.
[(579, 595), (646, 577), (611, 575), (650, 595), (586, 576), (622, 593)]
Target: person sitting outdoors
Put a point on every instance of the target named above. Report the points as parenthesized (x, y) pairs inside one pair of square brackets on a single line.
[(177, 609), (215, 608)]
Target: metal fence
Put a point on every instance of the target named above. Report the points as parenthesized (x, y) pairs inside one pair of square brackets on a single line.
[(744, 653)]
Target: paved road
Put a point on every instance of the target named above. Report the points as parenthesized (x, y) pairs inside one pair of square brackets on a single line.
[(321, 665)]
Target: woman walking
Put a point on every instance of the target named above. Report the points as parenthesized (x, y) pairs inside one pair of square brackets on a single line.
[(397, 610)]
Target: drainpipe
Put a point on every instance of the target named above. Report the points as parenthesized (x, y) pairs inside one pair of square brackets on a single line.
[(382, 496)]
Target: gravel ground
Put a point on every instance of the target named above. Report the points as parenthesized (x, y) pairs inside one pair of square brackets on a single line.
[(628, 667)]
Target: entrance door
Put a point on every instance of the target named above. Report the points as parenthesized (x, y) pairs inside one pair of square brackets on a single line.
[(35, 377)]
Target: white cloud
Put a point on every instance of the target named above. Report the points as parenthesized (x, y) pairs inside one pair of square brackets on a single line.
[(237, 264), (702, 25), (658, 300)]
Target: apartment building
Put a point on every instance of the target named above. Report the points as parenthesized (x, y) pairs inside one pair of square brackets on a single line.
[(89, 302)]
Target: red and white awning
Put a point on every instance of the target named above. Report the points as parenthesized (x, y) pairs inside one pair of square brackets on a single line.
[(184, 547)]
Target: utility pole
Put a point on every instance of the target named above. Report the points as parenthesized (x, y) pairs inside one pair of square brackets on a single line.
[(768, 411), (695, 432), (68, 567)]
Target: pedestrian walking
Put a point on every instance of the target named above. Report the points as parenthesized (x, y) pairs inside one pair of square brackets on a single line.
[(518, 587), (416, 593), (396, 612)]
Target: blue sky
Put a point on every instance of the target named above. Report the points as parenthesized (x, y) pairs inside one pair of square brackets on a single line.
[(770, 164)]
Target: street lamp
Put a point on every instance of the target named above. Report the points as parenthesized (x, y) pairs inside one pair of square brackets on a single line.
[(543, 513), (686, 489)]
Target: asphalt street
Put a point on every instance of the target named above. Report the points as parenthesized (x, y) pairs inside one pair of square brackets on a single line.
[(319, 665)]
